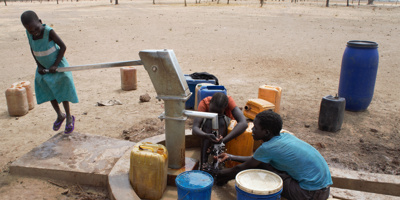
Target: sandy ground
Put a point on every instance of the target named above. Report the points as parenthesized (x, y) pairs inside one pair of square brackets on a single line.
[(298, 47)]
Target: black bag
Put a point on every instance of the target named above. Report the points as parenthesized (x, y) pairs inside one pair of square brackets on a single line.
[(204, 75)]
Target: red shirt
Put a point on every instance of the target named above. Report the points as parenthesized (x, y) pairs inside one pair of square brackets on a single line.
[(204, 106)]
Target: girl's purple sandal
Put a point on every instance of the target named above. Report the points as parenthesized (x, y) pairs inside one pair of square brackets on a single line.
[(57, 124), (70, 127)]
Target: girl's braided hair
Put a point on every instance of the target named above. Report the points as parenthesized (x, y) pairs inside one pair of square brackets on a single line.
[(220, 100)]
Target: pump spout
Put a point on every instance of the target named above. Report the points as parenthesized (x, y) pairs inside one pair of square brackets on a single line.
[(207, 115)]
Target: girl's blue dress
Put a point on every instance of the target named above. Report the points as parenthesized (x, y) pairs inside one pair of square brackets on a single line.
[(59, 86)]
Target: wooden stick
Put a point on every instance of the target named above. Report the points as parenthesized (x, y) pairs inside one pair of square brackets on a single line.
[(56, 184)]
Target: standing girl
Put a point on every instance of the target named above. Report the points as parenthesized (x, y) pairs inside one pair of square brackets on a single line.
[(48, 51)]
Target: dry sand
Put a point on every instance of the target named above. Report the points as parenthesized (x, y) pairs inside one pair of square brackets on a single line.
[(298, 47)]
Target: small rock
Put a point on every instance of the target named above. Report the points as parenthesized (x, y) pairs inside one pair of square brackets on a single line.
[(65, 192), (321, 145), (373, 130), (307, 125), (85, 113), (125, 132), (361, 140), (145, 98), (336, 160), (17, 118), (127, 138)]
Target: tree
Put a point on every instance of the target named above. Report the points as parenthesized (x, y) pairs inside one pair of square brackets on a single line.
[(370, 2), (327, 3)]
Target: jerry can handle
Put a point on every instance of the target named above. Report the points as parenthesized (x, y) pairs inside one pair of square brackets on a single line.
[(151, 147), (142, 147)]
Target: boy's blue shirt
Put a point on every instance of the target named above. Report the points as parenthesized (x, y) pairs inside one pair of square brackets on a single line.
[(296, 157)]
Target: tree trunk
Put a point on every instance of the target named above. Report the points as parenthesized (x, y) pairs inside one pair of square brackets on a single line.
[(327, 3), (116, 2), (370, 2), (262, 3), (348, 2), (5, 2)]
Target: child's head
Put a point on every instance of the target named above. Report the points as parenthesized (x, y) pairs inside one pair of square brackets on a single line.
[(32, 23), (268, 122), (218, 103)]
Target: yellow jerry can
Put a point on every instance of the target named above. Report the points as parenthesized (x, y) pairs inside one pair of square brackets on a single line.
[(29, 92), (17, 101), (197, 88), (242, 145), (148, 170), (271, 94), (255, 106)]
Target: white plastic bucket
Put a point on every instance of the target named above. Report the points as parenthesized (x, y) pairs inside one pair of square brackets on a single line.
[(258, 184)]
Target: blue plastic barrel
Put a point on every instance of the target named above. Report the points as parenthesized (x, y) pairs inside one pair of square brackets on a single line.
[(192, 85), (242, 195), (209, 90), (194, 185), (358, 74)]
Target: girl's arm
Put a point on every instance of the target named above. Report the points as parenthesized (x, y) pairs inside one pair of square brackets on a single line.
[(196, 130), (53, 36), (240, 127)]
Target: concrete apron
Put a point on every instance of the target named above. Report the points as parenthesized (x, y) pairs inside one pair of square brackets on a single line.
[(77, 158), (101, 161)]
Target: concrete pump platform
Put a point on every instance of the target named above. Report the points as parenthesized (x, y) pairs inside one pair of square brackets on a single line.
[(77, 158)]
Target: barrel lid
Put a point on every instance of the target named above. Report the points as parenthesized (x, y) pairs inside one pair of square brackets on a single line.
[(362, 44), (259, 182), (194, 179), (213, 87), (333, 98)]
